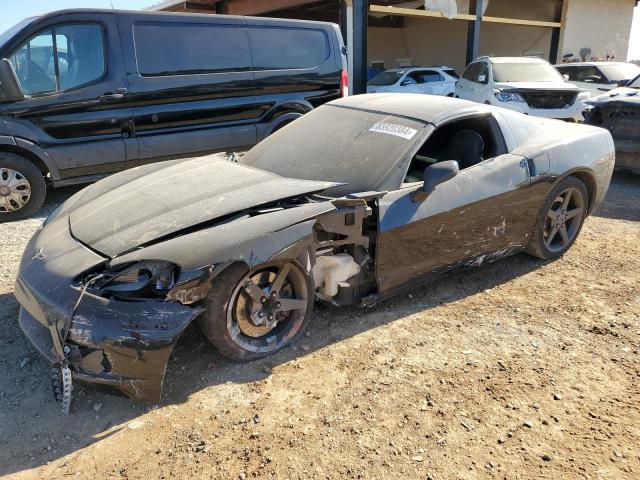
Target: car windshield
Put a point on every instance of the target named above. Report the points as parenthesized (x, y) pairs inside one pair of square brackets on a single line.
[(339, 144), (6, 36), (385, 78), (635, 83), (525, 72), (620, 71)]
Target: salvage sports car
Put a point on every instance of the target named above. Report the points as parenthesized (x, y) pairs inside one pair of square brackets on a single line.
[(352, 203)]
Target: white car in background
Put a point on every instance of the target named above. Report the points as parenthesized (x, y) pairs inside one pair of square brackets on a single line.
[(599, 77), (526, 85), (429, 80)]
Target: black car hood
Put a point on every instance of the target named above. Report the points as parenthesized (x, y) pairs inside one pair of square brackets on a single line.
[(139, 206)]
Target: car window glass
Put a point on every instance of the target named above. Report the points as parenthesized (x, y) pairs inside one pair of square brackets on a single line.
[(385, 78), (451, 73), (587, 71), (470, 72), (76, 57), (34, 65), (483, 73), (188, 48), (417, 76), (288, 48), (80, 54), (568, 71), (431, 76)]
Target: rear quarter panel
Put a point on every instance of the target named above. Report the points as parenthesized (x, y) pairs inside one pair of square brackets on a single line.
[(572, 149)]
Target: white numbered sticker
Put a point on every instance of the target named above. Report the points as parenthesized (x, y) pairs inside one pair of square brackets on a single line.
[(394, 129)]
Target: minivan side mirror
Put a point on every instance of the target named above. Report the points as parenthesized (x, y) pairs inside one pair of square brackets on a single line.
[(434, 175), (10, 90)]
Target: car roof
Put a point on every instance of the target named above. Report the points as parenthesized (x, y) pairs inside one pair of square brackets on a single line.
[(425, 108), (158, 15), (596, 64), (513, 59)]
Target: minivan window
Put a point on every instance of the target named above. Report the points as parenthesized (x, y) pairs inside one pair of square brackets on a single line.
[(288, 48), (190, 48), (62, 58)]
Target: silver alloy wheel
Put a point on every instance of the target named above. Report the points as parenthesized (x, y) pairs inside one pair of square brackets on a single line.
[(267, 307), (15, 190), (563, 219)]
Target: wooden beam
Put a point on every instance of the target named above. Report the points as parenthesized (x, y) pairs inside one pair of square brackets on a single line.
[(257, 7), (411, 12), (517, 21)]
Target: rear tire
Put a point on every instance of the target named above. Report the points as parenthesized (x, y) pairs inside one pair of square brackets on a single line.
[(560, 220), (22, 188), (252, 314)]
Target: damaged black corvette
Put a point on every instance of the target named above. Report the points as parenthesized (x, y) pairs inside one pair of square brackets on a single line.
[(352, 203)]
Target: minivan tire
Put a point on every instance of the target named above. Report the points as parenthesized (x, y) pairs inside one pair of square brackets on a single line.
[(12, 165)]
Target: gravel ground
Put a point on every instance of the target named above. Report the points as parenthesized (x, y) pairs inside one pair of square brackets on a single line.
[(518, 369)]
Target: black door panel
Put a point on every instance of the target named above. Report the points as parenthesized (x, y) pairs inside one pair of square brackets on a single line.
[(193, 102), (70, 121), (484, 210)]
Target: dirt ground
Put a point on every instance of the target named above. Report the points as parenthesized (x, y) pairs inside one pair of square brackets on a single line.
[(519, 369)]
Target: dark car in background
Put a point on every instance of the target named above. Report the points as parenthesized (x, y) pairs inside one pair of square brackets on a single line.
[(86, 93)]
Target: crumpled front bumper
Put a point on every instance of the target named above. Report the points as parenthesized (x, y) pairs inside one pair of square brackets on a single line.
[(122, 344)]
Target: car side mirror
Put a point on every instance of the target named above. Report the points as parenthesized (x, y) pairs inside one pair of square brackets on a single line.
[(566, 77), (592, 79), (10, 90), (434, 175), (406, 81)]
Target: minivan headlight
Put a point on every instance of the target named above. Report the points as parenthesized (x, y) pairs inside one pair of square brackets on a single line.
[(509, 97)]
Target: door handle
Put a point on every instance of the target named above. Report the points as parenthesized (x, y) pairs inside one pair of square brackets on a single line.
[(120, 92)]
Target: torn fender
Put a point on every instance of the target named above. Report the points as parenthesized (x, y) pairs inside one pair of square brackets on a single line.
[(126, 345)]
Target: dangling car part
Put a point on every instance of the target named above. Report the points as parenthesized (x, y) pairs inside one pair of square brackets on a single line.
[(356, 201)]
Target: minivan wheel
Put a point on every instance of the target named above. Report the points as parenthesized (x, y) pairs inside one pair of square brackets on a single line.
[(22, 188), (254, 313)]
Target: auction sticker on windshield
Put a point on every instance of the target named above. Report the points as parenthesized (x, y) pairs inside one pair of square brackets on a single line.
[(394, 129)]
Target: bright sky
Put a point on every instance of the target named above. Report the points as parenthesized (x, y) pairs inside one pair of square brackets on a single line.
[(20, 9), (25, 8)]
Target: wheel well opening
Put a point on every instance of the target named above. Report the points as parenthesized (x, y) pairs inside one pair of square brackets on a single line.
[(590, 183), (32, 157)]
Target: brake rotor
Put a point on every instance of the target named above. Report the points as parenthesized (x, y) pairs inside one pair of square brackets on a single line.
[(245, 307)]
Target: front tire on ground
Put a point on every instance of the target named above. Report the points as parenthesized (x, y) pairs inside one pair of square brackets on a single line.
[(22, 187), (251, 314), (560, 220)]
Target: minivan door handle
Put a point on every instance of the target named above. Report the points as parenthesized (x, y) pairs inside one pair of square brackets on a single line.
[(120, 93)]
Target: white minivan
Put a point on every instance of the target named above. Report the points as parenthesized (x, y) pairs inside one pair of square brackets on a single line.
[(526, 85)]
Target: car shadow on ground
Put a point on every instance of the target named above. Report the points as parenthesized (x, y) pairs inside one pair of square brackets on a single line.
[(195, 366), (623, 202)]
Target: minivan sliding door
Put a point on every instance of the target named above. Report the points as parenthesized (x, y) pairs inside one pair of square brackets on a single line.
[(191, 84)]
